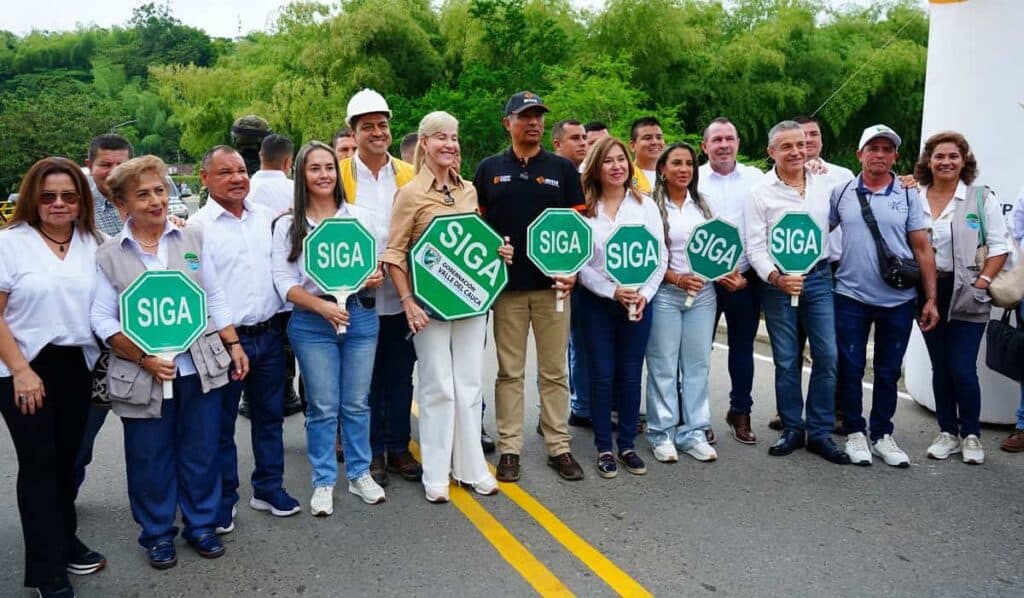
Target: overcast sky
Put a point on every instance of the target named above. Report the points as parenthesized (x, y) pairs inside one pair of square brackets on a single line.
[(222, 18)]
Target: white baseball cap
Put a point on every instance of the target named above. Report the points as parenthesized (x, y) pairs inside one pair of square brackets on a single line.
[(875, 131)]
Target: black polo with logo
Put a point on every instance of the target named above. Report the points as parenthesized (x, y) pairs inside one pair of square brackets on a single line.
[(512, 193)]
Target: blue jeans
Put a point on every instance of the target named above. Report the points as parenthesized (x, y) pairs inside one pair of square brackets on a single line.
[(679, 347), (815, 314), (97, 415), (265, 390), (1020, 410), (391, 387), (742, 311), (953, 348), (172, 462), (892, 331), (337, 371), (579, 377), (615, 350)]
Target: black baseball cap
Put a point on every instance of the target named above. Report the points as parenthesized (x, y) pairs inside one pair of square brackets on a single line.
[(523, 100)]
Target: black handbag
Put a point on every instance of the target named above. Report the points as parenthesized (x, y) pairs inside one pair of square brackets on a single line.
[(897, 272), (1004, 347)]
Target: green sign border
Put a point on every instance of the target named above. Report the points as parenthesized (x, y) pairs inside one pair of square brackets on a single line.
[(558, 212), (439, 221), (319, 228), (820, 255), (605, 267), (146, 277), (743, 248)]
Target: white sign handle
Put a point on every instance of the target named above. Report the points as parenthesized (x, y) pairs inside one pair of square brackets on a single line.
[(168, 384), (559, 302), (634, 313), (689, 299), (794, 300), (342, 298)]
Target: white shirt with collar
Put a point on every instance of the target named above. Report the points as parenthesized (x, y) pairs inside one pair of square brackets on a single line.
[(272, 189), (242, 248), (728, 195), (770, 200), (681, 222), (292, 274), (941, 228), (372, 205), (593, 275), (106, 311), (47, 298)]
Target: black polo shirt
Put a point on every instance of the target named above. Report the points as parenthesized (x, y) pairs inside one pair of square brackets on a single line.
[(512, 194)]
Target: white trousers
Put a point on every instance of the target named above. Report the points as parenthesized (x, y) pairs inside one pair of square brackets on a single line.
[(450, 364)]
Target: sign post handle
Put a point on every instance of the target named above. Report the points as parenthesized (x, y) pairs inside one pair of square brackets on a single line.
[(168, 384), (634, 313), (559, 302), (690, 296), (342, 298), (794, 300)]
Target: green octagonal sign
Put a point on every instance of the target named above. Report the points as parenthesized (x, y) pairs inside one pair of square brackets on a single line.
[(558, 242), (455, 266), (339, 255), (795, 242), (714, 249), (631, 255)]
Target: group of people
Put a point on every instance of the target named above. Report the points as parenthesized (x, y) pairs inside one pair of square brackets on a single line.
[(76, 242)]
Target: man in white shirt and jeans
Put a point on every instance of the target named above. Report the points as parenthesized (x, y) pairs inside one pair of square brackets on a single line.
[(270, 185)]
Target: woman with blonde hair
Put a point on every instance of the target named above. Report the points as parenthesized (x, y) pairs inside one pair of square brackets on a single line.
[(449, 353)]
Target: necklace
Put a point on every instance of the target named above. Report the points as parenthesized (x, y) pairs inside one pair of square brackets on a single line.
[(60, 244), (799, 187)]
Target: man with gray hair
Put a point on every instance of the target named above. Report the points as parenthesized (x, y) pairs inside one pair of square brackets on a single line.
[(791, 187)]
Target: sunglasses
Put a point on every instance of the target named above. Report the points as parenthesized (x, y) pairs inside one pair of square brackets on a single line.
[(68, 197)]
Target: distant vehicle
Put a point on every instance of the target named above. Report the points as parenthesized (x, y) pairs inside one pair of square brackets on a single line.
[(176, 206), (7, 207)]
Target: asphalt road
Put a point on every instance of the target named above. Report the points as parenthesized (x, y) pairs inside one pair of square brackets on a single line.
[(746, 525)]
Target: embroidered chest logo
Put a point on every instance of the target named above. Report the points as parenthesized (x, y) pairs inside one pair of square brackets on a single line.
[(505, 178), (192, 261), (973, 221), (549, 182)]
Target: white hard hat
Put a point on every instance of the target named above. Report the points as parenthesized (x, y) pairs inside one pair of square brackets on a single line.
[(366, 101)]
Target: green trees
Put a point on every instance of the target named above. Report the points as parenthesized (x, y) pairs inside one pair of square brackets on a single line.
[(174, 91)]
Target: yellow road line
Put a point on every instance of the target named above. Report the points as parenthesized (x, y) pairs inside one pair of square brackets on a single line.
[(616, 578), (510, 549)]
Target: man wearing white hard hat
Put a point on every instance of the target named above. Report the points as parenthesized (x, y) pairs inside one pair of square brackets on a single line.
[(882, 221), (371, 177)]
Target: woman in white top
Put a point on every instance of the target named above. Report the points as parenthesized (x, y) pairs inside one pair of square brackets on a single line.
[(680, 344), (615, 343), (336, 367), (961, 217), (47, 352)]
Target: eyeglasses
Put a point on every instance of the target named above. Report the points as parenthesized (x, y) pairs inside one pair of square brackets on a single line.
[(68, 197)]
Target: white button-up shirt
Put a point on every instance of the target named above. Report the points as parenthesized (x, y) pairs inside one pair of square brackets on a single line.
[(272, 189), (772, 199), (47, 298), (681, 222), (106, 311), (941, 228), (242, 249), (372, 206), (729, 194), (292, 274), (593, 275)]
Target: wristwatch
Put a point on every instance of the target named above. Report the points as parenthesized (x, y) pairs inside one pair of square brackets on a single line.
[(142, 360)]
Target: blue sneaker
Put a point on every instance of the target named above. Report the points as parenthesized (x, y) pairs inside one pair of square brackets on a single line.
[(280, 504), (208, 546), (162, 556)]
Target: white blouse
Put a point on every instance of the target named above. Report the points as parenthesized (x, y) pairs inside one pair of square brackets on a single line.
[(681, 222), (941, 228), (47, 298), (291, 274), (593, 275)]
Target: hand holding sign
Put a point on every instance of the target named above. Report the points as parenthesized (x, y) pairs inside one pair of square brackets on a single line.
[(559, 242), (631, 257), (163, 312), (714, 249), (339, 255), (796, 243)]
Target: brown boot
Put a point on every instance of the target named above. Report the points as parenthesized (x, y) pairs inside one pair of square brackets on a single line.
[(739, 423), (566, 466), (378, 471), (508, 468), (1014, 443), (405, 465)]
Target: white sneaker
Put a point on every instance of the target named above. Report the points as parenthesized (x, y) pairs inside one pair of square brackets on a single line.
[(220, 531), (365, 488), (944, 445), (890, 452), (702, 451), (973, 453), (322, 503), (436, 495), (488, 487), (665, 453), (857, 449)]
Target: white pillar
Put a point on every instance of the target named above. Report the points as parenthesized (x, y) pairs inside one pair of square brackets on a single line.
[(975, 85)]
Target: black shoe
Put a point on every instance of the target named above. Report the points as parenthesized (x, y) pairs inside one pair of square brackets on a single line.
[(58, 588), (539, 429), (292, 405), (243, 409), (579, 421), (378, 471), (487, 442), (162, 556), (208, 546), (775, 423), (83, 560), (828, 451), (787, 443)]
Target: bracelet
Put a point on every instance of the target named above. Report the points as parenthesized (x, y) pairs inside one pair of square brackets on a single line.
[(229, 344), (404, 297), (986, 278), (141, 360)]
